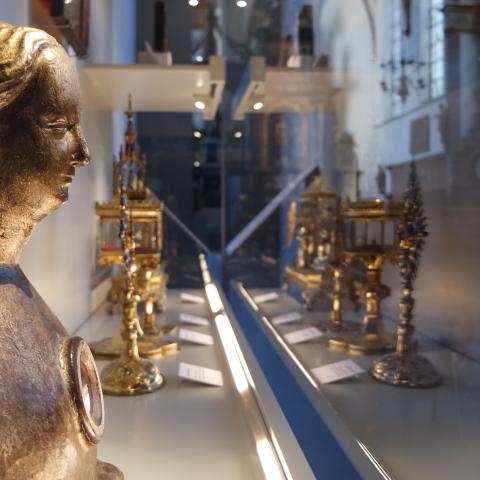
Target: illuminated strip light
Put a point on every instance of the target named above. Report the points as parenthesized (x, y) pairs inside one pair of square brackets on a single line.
[(216, 305), (272, 461), (279, 338), (206, 277), (375, 462), (203, 262), (268, 460), (248, 376), (204, 268), (238, 373), (243, 380)]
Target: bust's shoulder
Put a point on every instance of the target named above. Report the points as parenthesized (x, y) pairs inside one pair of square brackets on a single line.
[(21, 306)]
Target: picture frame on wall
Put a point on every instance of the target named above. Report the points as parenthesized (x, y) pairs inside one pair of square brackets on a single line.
[(72, 17), (66, 20)]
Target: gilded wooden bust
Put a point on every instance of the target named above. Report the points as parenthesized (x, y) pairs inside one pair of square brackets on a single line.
[(51, 404)]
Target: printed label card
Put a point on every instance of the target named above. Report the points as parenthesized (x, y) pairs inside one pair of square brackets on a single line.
[(266, 297), (337, 371), (286, 318), (195, 337), (193, 319), (189, 298), (303, 335), (195, 373)]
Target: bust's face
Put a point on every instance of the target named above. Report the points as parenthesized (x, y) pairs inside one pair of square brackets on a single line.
[(41, 142)]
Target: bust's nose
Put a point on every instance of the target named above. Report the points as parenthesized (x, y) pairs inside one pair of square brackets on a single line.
[(81, 154)]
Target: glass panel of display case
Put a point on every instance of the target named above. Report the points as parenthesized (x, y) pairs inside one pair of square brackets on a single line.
[(145, 236), (110, 239)]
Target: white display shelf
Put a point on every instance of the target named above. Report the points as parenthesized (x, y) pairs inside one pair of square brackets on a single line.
[(284, 89), (157, 88), (187, 430)]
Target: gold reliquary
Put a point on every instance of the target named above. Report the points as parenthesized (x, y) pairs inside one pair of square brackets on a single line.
[(145, 219), (144, 208), (313, 224)]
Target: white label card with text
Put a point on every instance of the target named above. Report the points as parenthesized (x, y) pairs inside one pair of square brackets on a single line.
[(193, 319), (195, 337), (266, 297), (188, 297), (337, 371), (199, 374), (286, 318), (303, 335)]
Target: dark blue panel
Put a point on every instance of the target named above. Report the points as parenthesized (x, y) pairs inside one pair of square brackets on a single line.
[(324, 454), (215, 266)]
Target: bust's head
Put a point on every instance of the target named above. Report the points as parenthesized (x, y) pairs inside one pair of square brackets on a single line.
[(41, 142)]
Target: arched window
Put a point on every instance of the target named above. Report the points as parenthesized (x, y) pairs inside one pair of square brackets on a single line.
[(396, 45), (437, 48)]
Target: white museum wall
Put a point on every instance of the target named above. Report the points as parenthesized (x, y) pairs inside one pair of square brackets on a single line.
[(446, 289), (344, 34), (60, 257)]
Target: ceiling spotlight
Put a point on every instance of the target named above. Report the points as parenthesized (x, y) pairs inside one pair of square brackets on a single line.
[(199, 58), (200, 105), (196, 163), (258, 106), (197, 134), (241, 3), (193, 3), (238, 134)]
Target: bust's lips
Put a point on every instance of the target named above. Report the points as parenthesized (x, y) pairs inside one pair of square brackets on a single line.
[(68, 177)]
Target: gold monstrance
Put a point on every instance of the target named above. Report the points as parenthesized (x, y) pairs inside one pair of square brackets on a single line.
[(315, 227), (130, 374), (405, 368), (145, 213)]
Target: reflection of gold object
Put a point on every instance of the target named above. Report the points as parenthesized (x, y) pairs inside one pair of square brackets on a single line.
[(291, 222), (342, 280), (51, 400), (370, 237), (315, 224), (129, 375), (405, 368)]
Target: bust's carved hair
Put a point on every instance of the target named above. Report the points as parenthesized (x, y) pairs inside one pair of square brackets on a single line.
[(20, 52)]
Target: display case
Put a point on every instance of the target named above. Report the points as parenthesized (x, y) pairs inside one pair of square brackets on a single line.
[(344, 395), (248, 434), (357, 426)]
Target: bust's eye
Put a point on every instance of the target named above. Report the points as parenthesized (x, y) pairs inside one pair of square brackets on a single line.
[(57, 125)]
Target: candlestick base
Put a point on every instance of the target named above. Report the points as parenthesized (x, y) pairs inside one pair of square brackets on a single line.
[(131, 376), (151, 347), (344, 327), (153, 330), (363, 343), (401, 370)]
